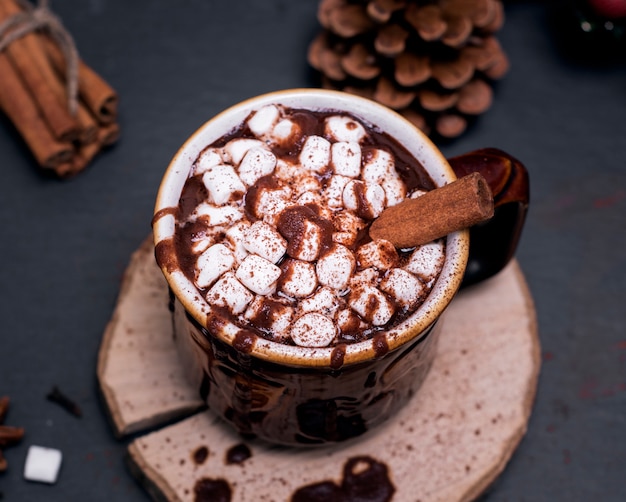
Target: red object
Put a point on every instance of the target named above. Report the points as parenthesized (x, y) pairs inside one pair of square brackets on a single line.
[(612, 9)]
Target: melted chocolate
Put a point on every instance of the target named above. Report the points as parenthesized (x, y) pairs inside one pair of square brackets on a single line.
[(216, 321), (381, 347), (291, 225), (337, 356), (238, 454), (200, 455), (244, 341), (252, 195), (212, 490), (165, 255), (364, 480), (363, 209), (194, 192), (164, 212)]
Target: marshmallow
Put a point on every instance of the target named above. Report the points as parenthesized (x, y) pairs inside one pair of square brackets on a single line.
[(298, 278), (212, 263), (323, 301), (217, 215), (417, 193), (371, 304), (379, 253), (42, 464), (263, 120), (367, 276), (309, 198), (334, 190), (366, 199), (347, 227), (222, 183), (303, 235), (236, 149), (286, 171), (335, 267), (230, 293), (200, 245), (234, 239), (258, 274), (209, 158), (344, 128), (403, 286), (313, 330), (272, 316), (285, 130), (257, 162), (395, 190), (270, 202), (315, 154), (378, 165), (310, 243), (346, 158), (379, 168), (315, 201), (298, 179), (203, 239), (264, 240), (427, 261), (305, 183), (348, 322)]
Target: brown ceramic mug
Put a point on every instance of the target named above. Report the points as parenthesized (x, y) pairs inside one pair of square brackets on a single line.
[(295, 395)]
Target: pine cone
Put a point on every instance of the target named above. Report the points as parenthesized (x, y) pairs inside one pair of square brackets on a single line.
[(431, 60)]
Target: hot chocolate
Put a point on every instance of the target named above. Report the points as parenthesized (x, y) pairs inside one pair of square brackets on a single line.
[(272, 228), (293, 324)]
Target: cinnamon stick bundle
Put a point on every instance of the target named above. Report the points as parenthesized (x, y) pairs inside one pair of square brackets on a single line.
[(106, 135), (18, 104), (34, 93), (62, 124), (458, 205), (97, 94)]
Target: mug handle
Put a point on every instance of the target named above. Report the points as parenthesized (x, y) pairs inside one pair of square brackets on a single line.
[(493, 243)]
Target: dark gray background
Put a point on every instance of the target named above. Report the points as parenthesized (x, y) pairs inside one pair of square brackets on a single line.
[(65, 244)]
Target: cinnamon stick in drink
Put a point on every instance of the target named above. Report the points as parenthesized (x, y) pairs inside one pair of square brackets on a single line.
[(458, 205)]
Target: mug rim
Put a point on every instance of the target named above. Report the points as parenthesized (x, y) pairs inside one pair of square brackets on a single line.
[(371, 112)]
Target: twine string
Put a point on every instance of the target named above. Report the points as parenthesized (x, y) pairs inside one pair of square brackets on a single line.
[(42, 18)]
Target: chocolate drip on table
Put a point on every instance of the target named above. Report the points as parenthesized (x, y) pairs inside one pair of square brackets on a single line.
[(238, 454), (364, 480), (212, 490)]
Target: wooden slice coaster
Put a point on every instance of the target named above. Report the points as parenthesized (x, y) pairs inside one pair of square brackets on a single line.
[(140, 378), (448, 444)]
